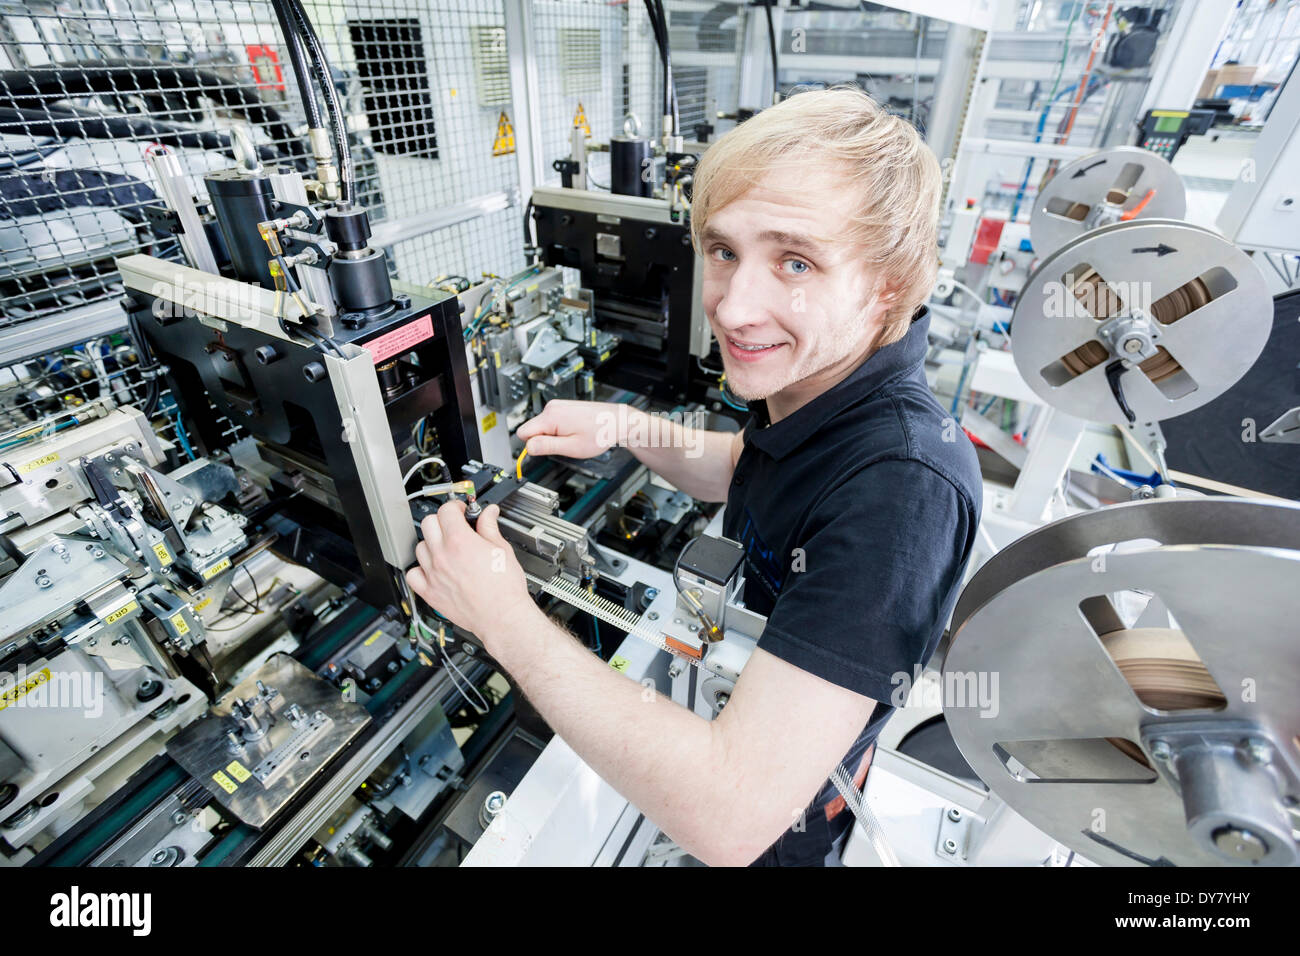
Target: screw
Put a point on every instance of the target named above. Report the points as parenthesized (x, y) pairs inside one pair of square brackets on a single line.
[(1133, 345), (651, 593), (43, 581), (653, 615), (950, 846), (179, 817), (954, 814), (1259, 750), (1160, 750), (678, 620)]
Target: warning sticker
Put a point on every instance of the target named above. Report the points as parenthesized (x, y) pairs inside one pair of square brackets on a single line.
[(238, 771), (224, 782), (619, 664), (399, 340), (164, 556), (505, 138)]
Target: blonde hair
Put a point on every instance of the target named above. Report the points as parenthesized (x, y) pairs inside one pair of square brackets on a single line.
[(893, 181)]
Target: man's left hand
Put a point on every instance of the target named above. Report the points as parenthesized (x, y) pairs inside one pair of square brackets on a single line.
[(469, 576)]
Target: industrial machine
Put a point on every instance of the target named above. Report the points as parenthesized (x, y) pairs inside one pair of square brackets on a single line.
[(209, 655)]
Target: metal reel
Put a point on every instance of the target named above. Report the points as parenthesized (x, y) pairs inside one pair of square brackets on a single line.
[(1158, 734), (1140, 321), (1100, 188)]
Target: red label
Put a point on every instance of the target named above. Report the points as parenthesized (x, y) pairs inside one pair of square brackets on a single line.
[(400, 340)]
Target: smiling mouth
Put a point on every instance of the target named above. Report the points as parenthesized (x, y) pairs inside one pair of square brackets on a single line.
[(749, 348)]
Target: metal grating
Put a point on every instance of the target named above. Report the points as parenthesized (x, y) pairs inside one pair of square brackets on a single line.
[(580, 59), (86, 86), (491, 65)]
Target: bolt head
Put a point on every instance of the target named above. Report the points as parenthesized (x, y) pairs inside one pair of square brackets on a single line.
[(1160, 750), (954, 814)]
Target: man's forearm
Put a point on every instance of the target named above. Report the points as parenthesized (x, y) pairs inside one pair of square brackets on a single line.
[(669, 762), (693, 460)]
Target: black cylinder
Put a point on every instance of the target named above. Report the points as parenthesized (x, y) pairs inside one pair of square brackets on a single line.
[(631, 166), (349, 227), (361, 284), (241, 200)]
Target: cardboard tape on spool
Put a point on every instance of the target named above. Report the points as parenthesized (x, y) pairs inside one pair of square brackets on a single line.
[(1097, 189), (1162, 668), (1196, 305)]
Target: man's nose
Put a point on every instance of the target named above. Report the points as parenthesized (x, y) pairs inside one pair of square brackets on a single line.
[(748, 299)]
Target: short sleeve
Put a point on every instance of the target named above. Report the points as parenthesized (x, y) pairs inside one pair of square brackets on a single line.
[(873, 577)]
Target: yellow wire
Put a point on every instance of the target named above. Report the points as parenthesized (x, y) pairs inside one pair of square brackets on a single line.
[(519, 464)]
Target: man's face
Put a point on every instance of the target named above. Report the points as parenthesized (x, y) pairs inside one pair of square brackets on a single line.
[(791, 301)]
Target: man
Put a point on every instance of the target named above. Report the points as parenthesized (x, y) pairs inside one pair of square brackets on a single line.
[(855, 495)]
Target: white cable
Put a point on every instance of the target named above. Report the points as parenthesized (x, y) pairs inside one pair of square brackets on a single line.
[(431, 460)]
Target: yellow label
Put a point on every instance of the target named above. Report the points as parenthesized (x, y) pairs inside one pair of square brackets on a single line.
[(216, 569), (593, 338), (121, 612), (531, 288), (202, 604), (1169, 113), (577, 366), (164, 555), (224, 782), (489, 421), (39, 463), (372, 638), (619, 664), (178, 622), (496, 357), (238, 771), (604, 356), (12, 694)]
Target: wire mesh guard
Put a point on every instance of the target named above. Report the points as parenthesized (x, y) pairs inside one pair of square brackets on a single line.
[(88, 86)]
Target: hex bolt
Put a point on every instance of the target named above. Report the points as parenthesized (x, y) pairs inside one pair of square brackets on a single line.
[(1259, 750)]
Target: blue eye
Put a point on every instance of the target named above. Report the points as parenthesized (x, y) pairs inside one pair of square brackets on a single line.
[(726, 255), (802, 269)]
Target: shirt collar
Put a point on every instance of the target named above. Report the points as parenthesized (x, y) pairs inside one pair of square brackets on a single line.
[(881, 367)]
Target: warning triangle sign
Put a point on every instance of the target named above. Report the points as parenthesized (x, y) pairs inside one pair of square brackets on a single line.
[(580, 120), (505, 141)]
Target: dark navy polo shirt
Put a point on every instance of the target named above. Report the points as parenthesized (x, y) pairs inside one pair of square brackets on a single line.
[(857, 514)]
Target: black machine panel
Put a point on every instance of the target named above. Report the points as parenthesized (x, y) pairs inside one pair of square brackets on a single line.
[(641, 275), (280, 393)]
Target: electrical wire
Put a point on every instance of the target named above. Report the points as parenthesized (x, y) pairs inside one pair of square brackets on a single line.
[(431, 460), (320, 65), (771, 43), (298, 60), (519, 464)]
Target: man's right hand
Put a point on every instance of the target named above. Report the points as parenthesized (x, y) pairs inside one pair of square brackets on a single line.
[(576, 429)]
